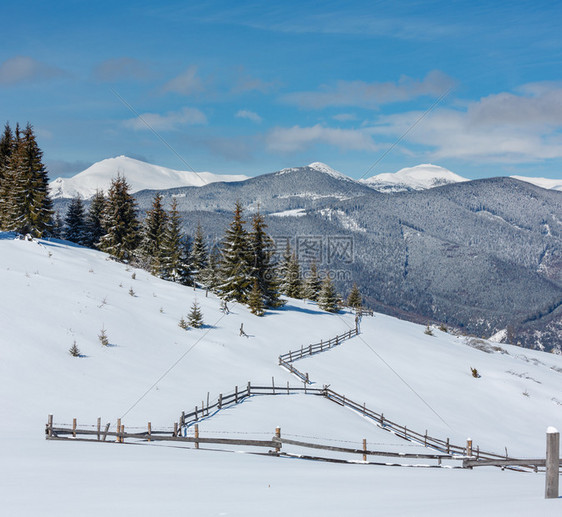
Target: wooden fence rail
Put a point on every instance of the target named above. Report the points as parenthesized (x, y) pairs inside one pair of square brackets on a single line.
[(294, 355), (238, 396)]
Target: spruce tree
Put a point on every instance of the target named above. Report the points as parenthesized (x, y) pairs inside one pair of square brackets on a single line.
[(199, 256), (235, 265), (262, 247), (154, 228), (75, 225), (195, 316), (58, 226), (328, 299), (6, 149), (120, 222), (313, 283), (27, 205), (172, 252), (290, 274), (354, 299), (255, 299), (94, 220), (211, 275)]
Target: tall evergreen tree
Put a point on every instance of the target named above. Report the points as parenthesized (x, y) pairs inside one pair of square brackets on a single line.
[(199, 256), (313, 284), (75, 224), (256, 299), (290, 274), (154, 228), (94, 220), (6, 149), (28, 207), (328, 298), (211, 275), (120, 222), (354, 299), (58, 226), (262, 247), (173, 263), (235, 266)]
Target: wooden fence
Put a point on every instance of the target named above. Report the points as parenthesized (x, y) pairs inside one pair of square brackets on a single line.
[(188, 419), (275, 444), (285, 360)]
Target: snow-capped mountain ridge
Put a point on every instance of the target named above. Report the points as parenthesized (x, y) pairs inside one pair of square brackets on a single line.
[(140, 176), (420, 177)]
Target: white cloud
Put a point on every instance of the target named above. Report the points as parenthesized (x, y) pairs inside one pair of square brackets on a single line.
[(250, 115), (299, 138), (505, 127), (345, 117), (24, 68), (187, 83), (371, 95), (171, 120), (121, 68)]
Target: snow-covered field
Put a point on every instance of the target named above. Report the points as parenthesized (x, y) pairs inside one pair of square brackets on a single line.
[(54, 294)]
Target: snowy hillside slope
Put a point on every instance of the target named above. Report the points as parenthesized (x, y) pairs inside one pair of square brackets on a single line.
[(54, 294), (140, 176), (420, 177)]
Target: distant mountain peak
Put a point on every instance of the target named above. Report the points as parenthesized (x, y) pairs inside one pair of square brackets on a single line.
[(419, 177), (326, 169), (140, 176), (317, 166)]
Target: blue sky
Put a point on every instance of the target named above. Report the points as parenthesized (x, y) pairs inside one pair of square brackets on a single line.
[(252, 87)]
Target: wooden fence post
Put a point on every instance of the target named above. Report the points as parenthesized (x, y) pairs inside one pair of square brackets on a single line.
[(99, 428), (118, 439), (149, 430), (364, 448), (175, 429), (469, 447), (273, 384), (278, 435), (236, 394), (249, 389), (307, 380), (50, 426), (196, 418), (448, 446), (74, 427), (122, 433), (196, 430), (182, 418), (382, 419), (552, 463), (220, 400), (207, 403)]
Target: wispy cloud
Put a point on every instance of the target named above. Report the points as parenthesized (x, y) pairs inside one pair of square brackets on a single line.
[(186, 83), (298, 138), (504, 127), (121, 68), (245, 82), (171, 120), (20, 69), (371, 95), (250, 115), (345, 117)]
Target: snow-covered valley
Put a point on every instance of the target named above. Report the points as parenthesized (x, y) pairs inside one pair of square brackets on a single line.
[(55, 294)]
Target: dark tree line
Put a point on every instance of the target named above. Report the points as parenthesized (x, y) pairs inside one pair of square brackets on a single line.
[(241, 269), (25, 204)]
